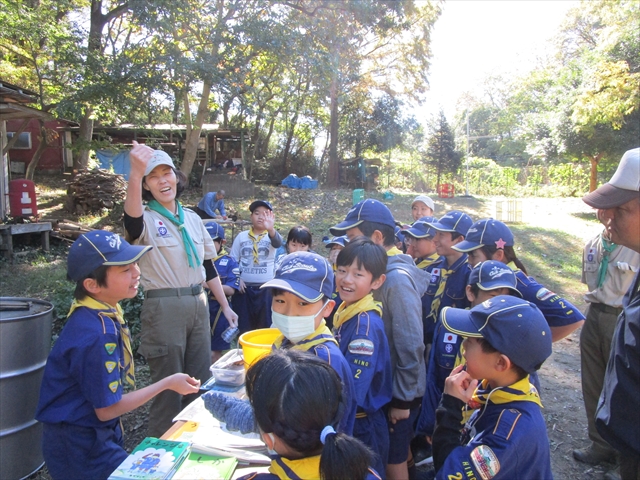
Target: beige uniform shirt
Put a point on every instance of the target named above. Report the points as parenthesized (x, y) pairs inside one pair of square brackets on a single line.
[(623, 265), (166, 265)]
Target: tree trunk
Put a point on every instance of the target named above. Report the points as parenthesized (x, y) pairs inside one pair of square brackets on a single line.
[(333, 177), (85, 135), (31, 168), (593, 177), (192, 140)]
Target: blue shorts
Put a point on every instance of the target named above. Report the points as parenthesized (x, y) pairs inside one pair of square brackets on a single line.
[(73, 452), (372, 430), (400, 435)]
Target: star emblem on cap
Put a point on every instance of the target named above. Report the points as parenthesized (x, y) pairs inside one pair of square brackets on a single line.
[(500, 243)]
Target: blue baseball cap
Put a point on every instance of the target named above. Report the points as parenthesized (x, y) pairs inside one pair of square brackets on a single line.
[(399, 233), (97, 248), (305, 274), (484, 233), (453, 221), (368, 210), (513, 326), (216, 231), (260, 203), (421, 228), (342, 241), (492, 274)]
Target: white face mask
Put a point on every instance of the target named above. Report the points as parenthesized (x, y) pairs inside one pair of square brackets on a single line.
[(295, 328), (271, 451)]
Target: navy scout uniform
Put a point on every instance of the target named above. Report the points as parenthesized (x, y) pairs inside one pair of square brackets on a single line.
[(360, 333), (323, 345), (505, 438), (83, 372), (451, 294), (229, 274)]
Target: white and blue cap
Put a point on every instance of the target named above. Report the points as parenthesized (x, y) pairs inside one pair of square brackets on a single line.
[(341, 240), (453, 221), (97, 248), (159, 157), (305, 274), (368, 210), (260, 203), (511, 325), (422, 228), (486, 233), (216, 231), (491, 274)]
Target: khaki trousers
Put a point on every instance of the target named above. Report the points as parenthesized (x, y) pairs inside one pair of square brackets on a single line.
[(175, 339)]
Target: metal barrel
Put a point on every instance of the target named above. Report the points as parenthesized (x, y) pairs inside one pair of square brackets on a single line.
[(25, 342)]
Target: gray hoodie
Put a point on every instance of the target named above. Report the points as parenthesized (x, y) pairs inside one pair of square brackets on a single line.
[(402, 316)]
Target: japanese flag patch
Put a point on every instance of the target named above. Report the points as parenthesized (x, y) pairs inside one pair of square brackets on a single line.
[(485, 462), (361, 347), (450, 338), (161, 228)]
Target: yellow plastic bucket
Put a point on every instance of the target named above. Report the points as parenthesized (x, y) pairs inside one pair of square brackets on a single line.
[(257, 343)]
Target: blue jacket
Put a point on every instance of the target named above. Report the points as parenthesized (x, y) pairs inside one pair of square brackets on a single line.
[(209, 204), (228, 272), (284, 469), (454, 294), (617, 418), (508, 442), (557, 310), (365, 347)]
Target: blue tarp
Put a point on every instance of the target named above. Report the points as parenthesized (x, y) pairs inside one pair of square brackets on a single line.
[(116, 161), (304, 183)]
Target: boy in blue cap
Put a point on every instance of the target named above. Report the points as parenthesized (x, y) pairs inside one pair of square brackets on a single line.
[(301, 298), (229, 274), (360, 332), (450, 273), (255, 251), (419, 239), (402, 316), (82, 395), (506, 339), (487, 280), (335, 246)]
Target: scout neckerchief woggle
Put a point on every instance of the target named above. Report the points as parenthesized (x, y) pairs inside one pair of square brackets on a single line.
[(608, 247), (106, 310), (189, 246)]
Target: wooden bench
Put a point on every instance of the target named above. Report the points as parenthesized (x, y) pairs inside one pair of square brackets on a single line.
[(8, 231)]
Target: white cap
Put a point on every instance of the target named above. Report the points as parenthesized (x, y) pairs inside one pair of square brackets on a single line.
[(159, 157), (623, 186), (426, 200)]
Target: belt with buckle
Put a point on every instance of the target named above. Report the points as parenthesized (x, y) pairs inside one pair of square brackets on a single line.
[(174, 292)]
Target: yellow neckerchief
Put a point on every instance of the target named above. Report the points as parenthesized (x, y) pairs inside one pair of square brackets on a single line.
[(393, 251), (435, 304), (426, 261), (521, 391), (222, 253), (345, 312), (108, 311), (302, 468), (256, 240), (321, 335)]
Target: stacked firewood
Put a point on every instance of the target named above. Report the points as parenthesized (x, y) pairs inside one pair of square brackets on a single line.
[(93, 190), (67, 229)]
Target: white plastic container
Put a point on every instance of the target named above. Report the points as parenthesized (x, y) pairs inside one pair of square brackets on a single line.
[(229, 370)]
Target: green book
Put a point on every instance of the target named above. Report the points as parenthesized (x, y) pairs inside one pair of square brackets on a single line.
[(198, 466), (153, 459)]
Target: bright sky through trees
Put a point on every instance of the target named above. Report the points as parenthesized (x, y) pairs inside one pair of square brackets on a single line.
[(473, 39)]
